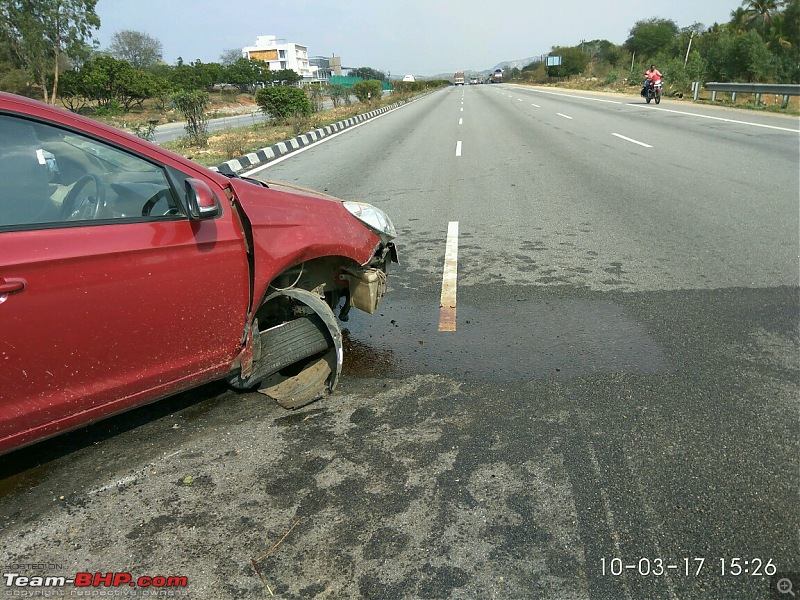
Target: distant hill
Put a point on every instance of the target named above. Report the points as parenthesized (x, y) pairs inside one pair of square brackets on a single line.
[(522, 62)]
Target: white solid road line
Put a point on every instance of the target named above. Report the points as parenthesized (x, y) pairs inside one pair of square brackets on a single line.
[(690, 114), (565, 116), (458, 148), (576, 96), (669, 110), (627, 139), (447, 303)]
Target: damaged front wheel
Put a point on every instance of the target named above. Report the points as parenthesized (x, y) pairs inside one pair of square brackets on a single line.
[(297, 352)]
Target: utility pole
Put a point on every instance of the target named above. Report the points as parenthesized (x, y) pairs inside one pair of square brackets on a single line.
[(686, 60)]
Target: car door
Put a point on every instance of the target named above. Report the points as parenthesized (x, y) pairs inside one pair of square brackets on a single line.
[(101, 306)]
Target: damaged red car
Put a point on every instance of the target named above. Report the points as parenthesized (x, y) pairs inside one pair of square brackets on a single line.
[(129, 273)]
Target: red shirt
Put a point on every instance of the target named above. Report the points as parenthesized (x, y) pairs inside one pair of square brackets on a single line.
[(653, 74)]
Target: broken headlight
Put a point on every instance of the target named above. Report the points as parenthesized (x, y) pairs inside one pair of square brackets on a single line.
[(374, 218)]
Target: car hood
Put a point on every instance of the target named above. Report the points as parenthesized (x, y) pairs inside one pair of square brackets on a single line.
[(296, 224)]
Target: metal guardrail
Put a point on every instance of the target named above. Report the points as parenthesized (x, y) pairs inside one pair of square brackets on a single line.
[(785, 90)]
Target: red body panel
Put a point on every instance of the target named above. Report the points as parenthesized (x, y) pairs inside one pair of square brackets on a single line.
[(113, 315), (289, 229)]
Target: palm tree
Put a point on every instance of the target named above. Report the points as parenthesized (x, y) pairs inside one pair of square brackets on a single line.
[(740, 19), (761, 13)]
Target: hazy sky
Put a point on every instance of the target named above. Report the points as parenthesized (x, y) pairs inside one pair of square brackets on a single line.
[(423, 37)]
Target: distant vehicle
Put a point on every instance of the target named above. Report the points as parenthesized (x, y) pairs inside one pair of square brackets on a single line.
[(473, 81), (409, 78), (497, 76), (458, 78)]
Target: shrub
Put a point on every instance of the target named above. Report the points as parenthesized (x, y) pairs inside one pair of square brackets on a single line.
[(282, 102), (145, 131), (366, 91), (340, 95), (192, 106), (316, 93), (611, 78)]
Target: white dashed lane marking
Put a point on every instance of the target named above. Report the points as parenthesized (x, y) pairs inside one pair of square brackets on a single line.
[(447, 303)]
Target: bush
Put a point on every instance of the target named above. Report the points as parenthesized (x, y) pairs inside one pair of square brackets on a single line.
[(282, 102), (340, 95), (611, 78), (316, 93), (145, 131), (366, 91), (192, 106)]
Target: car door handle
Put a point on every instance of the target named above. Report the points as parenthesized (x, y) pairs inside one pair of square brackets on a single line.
[(11, 286)]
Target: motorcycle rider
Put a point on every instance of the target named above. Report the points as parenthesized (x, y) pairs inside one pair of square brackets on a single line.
[(651, 77)]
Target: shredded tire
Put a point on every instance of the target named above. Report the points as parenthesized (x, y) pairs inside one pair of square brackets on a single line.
[(285, 345)]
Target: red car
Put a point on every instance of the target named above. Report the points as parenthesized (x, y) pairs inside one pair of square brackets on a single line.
[(129, 273)]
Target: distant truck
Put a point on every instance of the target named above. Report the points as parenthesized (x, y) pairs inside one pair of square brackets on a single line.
[(458, 78), (497, 76)]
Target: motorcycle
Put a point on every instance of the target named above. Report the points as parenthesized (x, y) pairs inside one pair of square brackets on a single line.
[(652, 91)]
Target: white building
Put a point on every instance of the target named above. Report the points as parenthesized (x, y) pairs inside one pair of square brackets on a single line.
[(280, 54)]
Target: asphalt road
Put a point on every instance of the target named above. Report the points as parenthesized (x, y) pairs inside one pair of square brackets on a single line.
[(615, 415)]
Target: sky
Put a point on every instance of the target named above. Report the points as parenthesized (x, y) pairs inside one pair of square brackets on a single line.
[(419, 37)]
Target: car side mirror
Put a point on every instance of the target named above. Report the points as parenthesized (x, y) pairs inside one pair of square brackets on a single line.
[(200, 199)]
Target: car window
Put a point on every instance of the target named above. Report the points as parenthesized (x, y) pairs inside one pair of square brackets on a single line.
[(51, 176)]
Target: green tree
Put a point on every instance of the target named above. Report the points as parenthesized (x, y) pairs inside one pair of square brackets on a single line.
[(603, 51), (751, 59), (282, 77), (785, 42), (13, 78), (740, 20), (107, 81), (761, 13), (142, 51), (246, 73), (229, 56), (367, 91), (649, 37), (41, 33), (194, 76), (368, 73), (737, 57), (573, 62), (283, 102)]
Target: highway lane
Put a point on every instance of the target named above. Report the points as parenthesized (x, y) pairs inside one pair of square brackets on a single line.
[(621, 389), (650, 337)]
